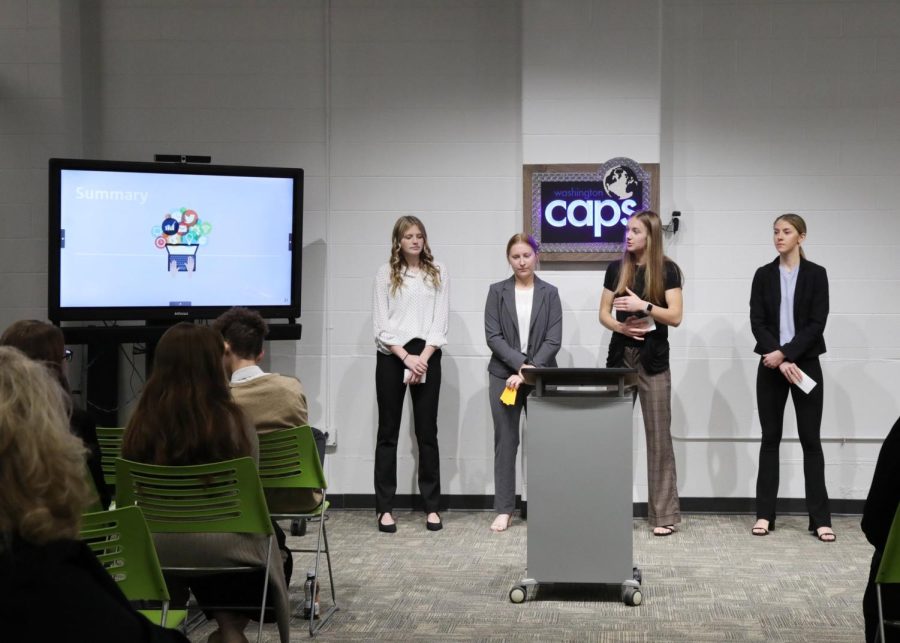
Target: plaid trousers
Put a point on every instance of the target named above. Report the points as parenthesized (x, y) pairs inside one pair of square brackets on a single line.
[(655, 393)]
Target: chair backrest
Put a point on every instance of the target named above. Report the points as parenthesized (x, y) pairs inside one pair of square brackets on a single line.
[(123, 545), (288, 458), (110, 440), (889, 569), (95, 504), (222, 497)]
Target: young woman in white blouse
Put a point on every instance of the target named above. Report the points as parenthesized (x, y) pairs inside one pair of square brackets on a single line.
[(411, 312)]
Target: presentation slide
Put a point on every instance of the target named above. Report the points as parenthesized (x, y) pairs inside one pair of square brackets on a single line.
[(148, 239)]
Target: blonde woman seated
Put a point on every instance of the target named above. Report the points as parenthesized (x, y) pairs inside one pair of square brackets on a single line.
[(52, 588)]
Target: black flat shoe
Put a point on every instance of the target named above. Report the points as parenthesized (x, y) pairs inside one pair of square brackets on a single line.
[(388, 529), (434, 526)]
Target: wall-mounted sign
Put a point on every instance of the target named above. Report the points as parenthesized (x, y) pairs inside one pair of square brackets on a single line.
[(578, 212)]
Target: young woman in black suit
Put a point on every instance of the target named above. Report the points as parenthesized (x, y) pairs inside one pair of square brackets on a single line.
[(788, 310)]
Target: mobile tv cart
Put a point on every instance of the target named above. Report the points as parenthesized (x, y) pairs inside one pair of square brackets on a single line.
[(103, 345), (579, 480)]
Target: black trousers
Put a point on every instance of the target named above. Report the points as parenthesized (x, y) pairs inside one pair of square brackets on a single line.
[(390, 391), (771, 396)]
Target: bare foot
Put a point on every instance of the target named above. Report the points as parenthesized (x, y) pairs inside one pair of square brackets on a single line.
[(501, 522), (667, 530), (433, 518)]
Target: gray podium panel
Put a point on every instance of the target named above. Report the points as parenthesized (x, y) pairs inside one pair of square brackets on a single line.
[(579, 489)]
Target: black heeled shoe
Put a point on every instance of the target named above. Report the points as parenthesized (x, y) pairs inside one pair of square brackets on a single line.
[(434, 526), (388, 529)]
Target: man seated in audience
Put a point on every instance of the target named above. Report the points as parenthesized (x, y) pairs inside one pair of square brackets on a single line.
[(269, 400)]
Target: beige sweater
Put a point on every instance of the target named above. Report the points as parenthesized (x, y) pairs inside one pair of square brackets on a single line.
[(273, 402)]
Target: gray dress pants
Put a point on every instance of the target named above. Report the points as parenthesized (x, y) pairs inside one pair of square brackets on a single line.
[(506, 442)]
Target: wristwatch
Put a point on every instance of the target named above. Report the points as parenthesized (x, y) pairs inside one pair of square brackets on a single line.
[(648, 308)]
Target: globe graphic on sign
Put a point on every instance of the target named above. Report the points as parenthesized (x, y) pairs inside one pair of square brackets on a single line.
[(620, 182)]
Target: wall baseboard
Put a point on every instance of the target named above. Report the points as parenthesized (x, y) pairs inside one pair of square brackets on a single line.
[(795, 506)]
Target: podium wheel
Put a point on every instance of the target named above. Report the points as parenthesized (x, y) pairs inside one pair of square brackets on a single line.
[(517, 594), (632, 596)]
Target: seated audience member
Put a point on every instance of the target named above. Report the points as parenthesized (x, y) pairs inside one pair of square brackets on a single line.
[(269, 400), (878, 515), (186, 415), (52, 588), (45, 343)]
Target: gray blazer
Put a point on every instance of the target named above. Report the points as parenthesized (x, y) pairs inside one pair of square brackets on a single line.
[(501, 327)]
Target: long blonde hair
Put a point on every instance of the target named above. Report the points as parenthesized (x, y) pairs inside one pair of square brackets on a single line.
[(43, 478), (797, 222), (654, 261), (398, 262)]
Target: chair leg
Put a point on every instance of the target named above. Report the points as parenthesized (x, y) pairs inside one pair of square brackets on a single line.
[(262, 609), (326, 615), (880, 613), (312, 611), (327, 551)]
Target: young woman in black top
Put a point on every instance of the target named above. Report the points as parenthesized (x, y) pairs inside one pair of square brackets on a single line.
[(788, 310), (641, 299)]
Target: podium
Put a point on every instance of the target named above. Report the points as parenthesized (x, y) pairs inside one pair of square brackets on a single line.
[(580, 479)]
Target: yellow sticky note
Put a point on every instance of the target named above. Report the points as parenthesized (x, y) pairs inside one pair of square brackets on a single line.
[(508, 396)]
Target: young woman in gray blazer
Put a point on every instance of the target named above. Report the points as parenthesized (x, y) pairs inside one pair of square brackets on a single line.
[(523, 328)]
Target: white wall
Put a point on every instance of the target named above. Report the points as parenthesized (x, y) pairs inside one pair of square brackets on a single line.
[(771, 107), (425, 109), (751, 108), (589, 95), (38, 86)]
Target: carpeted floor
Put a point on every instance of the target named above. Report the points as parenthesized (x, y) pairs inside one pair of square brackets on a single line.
[(711, 581)]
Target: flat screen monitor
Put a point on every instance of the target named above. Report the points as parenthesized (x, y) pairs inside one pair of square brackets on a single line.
[(171, 241)]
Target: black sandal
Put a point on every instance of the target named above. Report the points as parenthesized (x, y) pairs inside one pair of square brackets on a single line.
[(756, 530), (669, 530), (824, 536)]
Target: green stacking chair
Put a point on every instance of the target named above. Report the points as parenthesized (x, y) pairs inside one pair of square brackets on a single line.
[(121, 542), (889, 570), (288, 459), (110, 440), (95, 504), (221, 497)]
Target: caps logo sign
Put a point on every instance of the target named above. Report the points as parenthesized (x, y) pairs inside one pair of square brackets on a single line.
[(580, 212)]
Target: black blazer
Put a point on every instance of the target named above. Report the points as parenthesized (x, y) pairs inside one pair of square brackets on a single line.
[(501, 327), (884, 494), (810, 311), (58, 591)]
